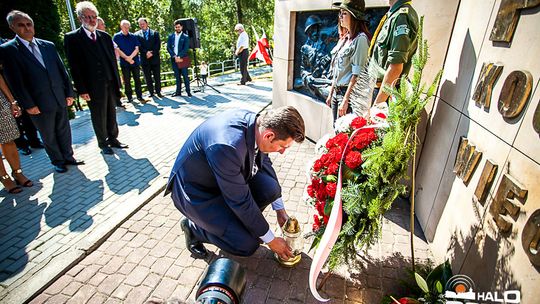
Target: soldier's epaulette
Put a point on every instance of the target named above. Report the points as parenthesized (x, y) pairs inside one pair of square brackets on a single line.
[(404, 10)]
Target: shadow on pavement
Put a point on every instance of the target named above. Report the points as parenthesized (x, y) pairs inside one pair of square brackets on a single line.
[(70, 201), (20, 219), (127, 173)]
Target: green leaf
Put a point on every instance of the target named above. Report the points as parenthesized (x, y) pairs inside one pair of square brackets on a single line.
[(421, 282), (438, 287), (330, 178), (328, 207)]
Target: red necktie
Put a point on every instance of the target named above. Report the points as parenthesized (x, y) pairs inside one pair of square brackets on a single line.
[(93, 37)]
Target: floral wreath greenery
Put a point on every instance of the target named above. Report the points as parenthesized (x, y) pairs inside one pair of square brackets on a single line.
[(374, 164)]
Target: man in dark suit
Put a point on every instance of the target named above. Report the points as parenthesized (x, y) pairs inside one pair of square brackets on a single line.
[(177, 46), (90, 54), (149, 49), (223, 179), (39, 81)]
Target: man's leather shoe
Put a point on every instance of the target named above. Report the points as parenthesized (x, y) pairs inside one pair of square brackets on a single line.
[(195, 247), (107, 150), (119, 145), (189, 94), (75, 162), (159, 95), (37, 146), (25, 151), (60, 168)]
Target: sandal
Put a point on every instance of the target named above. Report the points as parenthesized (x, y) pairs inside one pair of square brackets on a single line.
[(6, 181), (26, 183)]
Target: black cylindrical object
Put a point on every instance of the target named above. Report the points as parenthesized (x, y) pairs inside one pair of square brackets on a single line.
[(223, 283)]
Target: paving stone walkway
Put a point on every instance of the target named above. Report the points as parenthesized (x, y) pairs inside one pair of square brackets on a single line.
[(103, 232), (51, 226)]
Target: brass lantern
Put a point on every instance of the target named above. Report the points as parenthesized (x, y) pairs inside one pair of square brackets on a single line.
[(292, 235)]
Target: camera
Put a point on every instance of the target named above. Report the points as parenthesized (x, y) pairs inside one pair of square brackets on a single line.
[(223, 283)]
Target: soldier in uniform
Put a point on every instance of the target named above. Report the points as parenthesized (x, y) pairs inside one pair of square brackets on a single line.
[(393, 45), (315, 59)]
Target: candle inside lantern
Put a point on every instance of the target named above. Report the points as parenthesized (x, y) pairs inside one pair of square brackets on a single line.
[(292, 235)]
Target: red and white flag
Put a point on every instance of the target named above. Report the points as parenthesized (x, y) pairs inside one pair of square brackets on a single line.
[(260, 51)]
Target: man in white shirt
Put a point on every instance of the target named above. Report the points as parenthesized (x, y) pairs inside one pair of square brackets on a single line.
[(242, 45)]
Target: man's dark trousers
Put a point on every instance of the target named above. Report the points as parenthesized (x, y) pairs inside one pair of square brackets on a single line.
[(180, 72), (127, 72), (103, 112), (150, 71), (243, 57)]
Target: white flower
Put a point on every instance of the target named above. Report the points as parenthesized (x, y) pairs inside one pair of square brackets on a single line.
[(343, 124), (320, 146)]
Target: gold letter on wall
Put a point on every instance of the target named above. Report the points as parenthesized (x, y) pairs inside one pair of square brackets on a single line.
[(507, 18), (530, 238), (536, 119), (466, 160), (485, 182), (488, 75), (504, 207), (515, 93)]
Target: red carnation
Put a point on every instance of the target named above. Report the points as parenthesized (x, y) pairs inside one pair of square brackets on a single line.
[(339, 140), (317, 166), (332, 169), (325, 219), (381, 115), (358, 123), (331, 189), (353, 159), (310, 191), (316, 223), (319, 206), (363, 138)]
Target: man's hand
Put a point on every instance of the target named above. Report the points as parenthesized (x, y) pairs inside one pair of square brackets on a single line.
[(280, 247), (33, 111), (85, 96), (69, 101), (282, 217), (149, 54), (177, 59)]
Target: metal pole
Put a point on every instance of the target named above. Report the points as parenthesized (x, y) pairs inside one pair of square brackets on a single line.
[(70, 13)]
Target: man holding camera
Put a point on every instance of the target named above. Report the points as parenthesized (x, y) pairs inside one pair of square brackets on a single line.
[(223, 179)]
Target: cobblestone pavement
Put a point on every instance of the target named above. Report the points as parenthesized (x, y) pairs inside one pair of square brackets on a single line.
[(51, 226), (146, 261)]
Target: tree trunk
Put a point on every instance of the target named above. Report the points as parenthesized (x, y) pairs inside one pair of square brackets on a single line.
[(239, 12)]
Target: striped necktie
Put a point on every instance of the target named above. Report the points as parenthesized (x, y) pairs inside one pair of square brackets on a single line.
[(36, 53)]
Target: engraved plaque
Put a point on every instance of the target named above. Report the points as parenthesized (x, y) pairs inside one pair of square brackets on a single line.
[(506, 206), (488, 75), (508, 17), (530, 238), (485, 182), (466, 160), (515, 93)]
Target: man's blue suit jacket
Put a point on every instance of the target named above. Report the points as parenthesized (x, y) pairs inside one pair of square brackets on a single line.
[(152, 44), (209, 179), (31, 83), (183, 45)]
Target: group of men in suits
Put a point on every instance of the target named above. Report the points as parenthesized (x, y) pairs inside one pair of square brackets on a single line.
[(39, 81)]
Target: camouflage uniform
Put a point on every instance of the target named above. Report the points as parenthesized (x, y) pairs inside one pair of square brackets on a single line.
[(397, 40)]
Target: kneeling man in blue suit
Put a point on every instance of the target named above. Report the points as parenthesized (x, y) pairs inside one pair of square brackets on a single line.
[(223, 179)]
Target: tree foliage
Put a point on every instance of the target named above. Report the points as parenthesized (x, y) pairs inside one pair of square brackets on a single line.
[(215, 18)]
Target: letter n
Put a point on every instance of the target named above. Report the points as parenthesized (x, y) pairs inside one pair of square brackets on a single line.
[(488, 75)]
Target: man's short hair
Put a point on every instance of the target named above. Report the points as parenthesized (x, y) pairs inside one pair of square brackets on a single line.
[(239, 26), (286, 123), (142, 19), (179, 21), (14, 14), (85, 5), (125, 22)]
